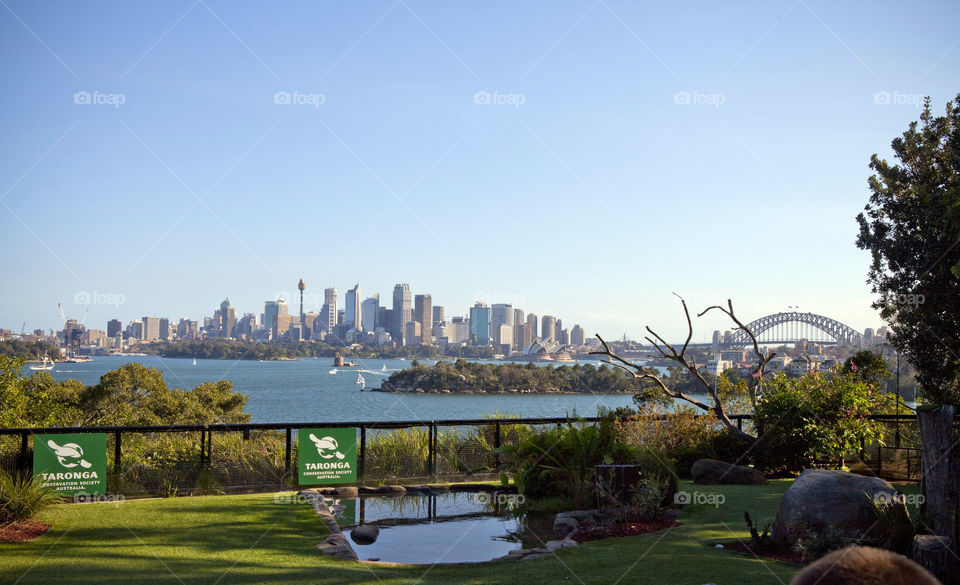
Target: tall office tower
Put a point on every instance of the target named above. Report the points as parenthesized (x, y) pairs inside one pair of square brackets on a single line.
[(577, 336), (518, 317), (276, 318), (558, 329), (114, 326), (524, 335), (412, 333), (548, 327), (438, 315), (384, 317), (228, 319), (564, 337), (423, 314), (351, 313), (270, 311), (151, 328), (518, 324), (532, 322), (368, 313), (164, 329), (480, 325), (402, 311), (501, 314), (135, 330), (246, 325), (328, 313)]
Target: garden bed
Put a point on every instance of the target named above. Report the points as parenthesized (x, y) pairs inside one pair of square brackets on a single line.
[(22, 531), (629, 528)]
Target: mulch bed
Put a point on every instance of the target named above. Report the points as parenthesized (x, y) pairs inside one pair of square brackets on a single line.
[(22, 531), (787, 555), (589, 533)]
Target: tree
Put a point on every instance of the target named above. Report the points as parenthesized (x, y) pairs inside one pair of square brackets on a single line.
[(715, 404), (911, 226), (868, 366)]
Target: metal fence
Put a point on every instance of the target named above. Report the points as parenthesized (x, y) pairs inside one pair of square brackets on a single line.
[(210, 459)]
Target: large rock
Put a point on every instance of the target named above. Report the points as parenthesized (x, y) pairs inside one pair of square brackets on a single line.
[(843, 502), (862, 564), (713, 472), (365, 534)]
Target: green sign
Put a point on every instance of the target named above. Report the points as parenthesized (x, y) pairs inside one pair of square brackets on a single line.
[(327, 456), (72, 464)]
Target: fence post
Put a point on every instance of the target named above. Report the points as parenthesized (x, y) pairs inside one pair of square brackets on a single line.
[(496, 445), (116, 453), (739, 423), (431, 450), (361, 465), (23, 463), (210, 448), (289, 451), (203, 445)]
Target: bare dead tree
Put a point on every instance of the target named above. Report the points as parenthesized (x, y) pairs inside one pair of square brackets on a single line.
[(667, 351)]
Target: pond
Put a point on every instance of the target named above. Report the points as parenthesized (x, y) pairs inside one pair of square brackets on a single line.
[(444, 528)]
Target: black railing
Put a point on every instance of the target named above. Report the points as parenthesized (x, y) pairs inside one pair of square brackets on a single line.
[(169, 459)]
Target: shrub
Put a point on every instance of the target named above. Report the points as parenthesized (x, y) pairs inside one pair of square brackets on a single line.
[(22, 496), (816, 419)]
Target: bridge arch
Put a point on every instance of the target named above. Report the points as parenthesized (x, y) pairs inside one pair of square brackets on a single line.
[(792, 326)]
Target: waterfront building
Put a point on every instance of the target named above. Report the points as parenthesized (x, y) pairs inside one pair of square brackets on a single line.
[(501, 314), (368, 313), (412, 333), (151, 328)]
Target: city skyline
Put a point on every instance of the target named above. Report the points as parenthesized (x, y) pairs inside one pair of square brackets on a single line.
[(584, 159)]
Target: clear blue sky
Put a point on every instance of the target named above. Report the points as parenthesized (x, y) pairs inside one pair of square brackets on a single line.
[(592, 200)]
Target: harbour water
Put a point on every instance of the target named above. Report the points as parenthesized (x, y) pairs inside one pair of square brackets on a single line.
[(304, 390)]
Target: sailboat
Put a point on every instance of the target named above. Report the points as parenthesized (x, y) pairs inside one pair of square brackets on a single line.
[(194, 361), (361, 381), (43, 366), (383, 368), (333, 371)]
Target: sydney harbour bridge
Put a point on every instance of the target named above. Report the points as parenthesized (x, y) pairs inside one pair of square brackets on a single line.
[(785, 328)]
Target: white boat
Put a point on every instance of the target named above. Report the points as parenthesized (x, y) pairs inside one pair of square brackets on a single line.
[(333, 371), (43, 366), (194, 361), (360, 379), (383, 368)]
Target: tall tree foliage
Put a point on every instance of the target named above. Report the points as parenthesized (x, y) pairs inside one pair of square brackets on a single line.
[(911, 226)]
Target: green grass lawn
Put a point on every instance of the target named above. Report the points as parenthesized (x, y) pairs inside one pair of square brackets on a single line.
[(252, 539)]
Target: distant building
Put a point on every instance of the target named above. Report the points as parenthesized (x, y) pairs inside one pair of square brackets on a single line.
[(164, 329), (328, 312), (565, 337), (412, 333), (351, 311), (227, 319), (501, 314), (533, 322), (577, 335), (402, 311), (246, 325), (368, 313), (438, 315), (151, 328), (548, 327), (114, 326), (135, 330), (423, 314), (480, 325)]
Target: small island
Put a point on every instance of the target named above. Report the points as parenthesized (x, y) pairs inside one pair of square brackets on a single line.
[(463, 377)]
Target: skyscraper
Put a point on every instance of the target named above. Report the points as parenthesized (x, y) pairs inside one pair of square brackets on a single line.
[(501, 314), (402, 311), (423, 314), (438, 315), (151, 328), (548, 327), (114, 326), (480, 324), (577, 336), (228, 319), (328, 313), (532, 322), (368, 313), (351, 314)]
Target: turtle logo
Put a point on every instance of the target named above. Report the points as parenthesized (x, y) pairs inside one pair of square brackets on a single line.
[(327, 447), (69, 455)]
